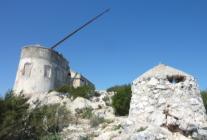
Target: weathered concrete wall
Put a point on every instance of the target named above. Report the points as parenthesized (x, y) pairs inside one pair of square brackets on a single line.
[(78, 80), (40, 70)]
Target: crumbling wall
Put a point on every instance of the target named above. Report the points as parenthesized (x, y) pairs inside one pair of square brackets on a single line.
[(170, 101)]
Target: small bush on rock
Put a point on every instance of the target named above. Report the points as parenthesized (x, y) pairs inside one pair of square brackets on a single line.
[(141, 129), (121, 99), (47, 120), (85, 113), (51, 137), (96, 120), (84, 138), (117, 127), (83, 91), (120, 88)]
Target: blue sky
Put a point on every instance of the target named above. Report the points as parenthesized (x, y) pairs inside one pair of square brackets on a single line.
[(132, 38)]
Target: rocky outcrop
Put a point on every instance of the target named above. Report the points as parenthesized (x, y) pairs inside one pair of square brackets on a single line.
[(40, 99), (81, 128), (99, 104)]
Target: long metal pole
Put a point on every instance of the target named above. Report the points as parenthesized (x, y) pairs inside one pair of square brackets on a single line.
[(78, 29)]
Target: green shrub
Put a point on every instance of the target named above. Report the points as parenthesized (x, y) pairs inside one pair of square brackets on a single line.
[(84, 138), (117, 127), (85, 113), (141, 129), (204, 97), (64, 89), (96, 120), (51, 137), (47, 120), (83, 91), (17, 121), (120, 88), (13, 112), (121, 99)]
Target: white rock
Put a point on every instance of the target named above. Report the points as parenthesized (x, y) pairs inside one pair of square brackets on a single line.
[(153, 82), (161, 87), (80, 103), (202, 134), (151, 133), (48, 99), (157, 118), (161, 101), (107, 135)]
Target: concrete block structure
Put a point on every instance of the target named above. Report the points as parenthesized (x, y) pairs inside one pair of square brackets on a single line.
[(78, 80), (40, 70)]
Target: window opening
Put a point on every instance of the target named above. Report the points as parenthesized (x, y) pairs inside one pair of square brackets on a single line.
[(176, 79), (47, 71), (27, 69)]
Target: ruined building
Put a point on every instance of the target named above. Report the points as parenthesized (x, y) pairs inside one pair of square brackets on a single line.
[(78, 80), (43, 69), (167, 98)]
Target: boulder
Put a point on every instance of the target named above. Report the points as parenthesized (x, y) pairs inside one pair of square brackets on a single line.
[(40, 99), (80, 103)]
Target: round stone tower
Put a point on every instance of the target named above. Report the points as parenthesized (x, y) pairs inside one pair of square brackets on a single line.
[(40, 70)]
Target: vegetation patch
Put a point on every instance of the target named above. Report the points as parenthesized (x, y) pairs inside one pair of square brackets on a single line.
[(18, 122), (117, 127), (204, 97), (96, 120), (51, 137), (121, 99), (141, 129), (109, 121), (13, 112), (87, 137), (85, 113), (49, 119), (83, 91)]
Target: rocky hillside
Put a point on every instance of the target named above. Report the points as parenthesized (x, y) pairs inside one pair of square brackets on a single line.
[(93, 118), (165, 104)]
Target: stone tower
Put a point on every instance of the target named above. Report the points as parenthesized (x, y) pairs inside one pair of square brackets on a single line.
[(40, 70)]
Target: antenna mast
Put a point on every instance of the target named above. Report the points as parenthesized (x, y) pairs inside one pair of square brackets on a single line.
[(78, 29)]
